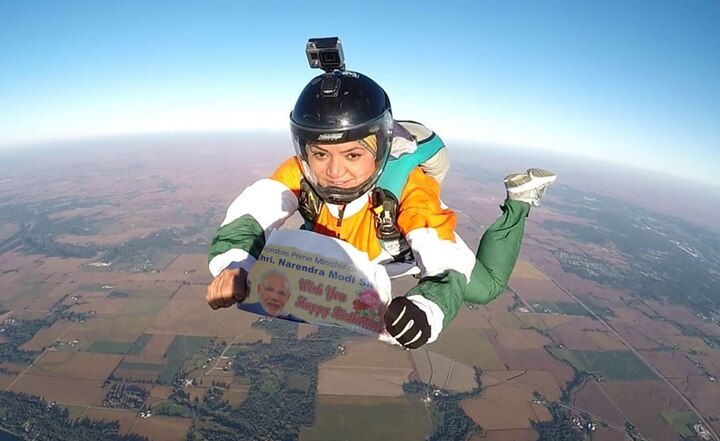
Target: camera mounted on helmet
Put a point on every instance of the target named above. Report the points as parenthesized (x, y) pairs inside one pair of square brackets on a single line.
[(336, 107), (326, 54)]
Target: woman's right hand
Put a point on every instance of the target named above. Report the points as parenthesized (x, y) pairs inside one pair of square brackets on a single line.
[(227, 288)]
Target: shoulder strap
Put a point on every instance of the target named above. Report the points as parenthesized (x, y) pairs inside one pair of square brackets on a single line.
[(309, 205), (385, 206), (397, 169)]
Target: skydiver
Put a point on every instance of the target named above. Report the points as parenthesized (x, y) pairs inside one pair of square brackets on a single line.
[(345, 141)]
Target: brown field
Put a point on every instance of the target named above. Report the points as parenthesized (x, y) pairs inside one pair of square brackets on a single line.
[(158, 345), (539, 290), (149, 286), (7, 230), (53, 265), (118, 328), (42, 304), (362, 381), (196, 392), (633, 336), (671, 364), (609, 434), (606, 341), (84, 296), (574, 338), (504, 406), (593, 399), (368, 368), (47, 336), (13, 367), (109, 238), (6, 380), (235, 397), (643, 402), (63, 390), (529, 381), (678, 313), (687, 343), (530, 320), (462, 378), (711, 362), (31, 315), (505, 320), (10, 290), (303, 330), (468, 346), (535, 359), (194, 317), (189, 263), (521, 339), (705, 394), (524, 269), (79, 365), (254, 335), (100, 305), (162, 428), (657, 327), (507, 435), (371, 353), (190, 292), (161, 392), (126, 418), (467, 318), (16, 266), (430, 367), (217, 375), (24, 300), (553, 321)]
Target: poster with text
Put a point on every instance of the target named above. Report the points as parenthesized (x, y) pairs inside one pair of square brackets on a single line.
[(307, 277)]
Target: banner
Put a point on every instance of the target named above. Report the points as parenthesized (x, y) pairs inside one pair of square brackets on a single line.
[(307, 277)]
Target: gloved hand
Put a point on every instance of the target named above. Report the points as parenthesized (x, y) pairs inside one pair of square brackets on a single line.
[(407, 323)]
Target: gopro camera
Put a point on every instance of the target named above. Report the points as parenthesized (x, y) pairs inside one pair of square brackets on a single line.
[(325, 54)]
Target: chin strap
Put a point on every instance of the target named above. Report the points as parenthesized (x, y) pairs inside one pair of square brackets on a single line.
[(309, 204), (385, 207)]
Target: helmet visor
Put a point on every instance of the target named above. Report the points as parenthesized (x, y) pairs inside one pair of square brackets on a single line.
[(375, 136)]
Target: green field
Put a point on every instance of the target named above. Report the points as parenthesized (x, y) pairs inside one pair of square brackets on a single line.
[(566, 308), (394, 419), (141, 366), (139, 345), (680, 421), (233, 350), (75, 411), (144, 306), (109, 347), (598, 310), (162, 293), (181, 348), (613, 365), (468, 346)]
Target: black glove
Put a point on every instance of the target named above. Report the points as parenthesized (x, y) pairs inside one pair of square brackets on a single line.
[(407, 323)]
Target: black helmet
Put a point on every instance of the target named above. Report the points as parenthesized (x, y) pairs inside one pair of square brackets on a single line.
[(337, 107)]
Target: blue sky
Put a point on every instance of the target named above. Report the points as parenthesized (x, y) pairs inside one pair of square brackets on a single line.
[(635, 82)]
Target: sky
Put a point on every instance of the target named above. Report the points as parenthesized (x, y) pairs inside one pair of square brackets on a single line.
[(632, 82)]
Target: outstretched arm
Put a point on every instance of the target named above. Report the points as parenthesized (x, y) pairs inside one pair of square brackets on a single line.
[(252, 216)]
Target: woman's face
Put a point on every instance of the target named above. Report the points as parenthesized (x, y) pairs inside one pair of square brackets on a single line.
[(344, 165)]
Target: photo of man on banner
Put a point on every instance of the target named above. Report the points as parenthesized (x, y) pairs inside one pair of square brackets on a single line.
[(273, 292)]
